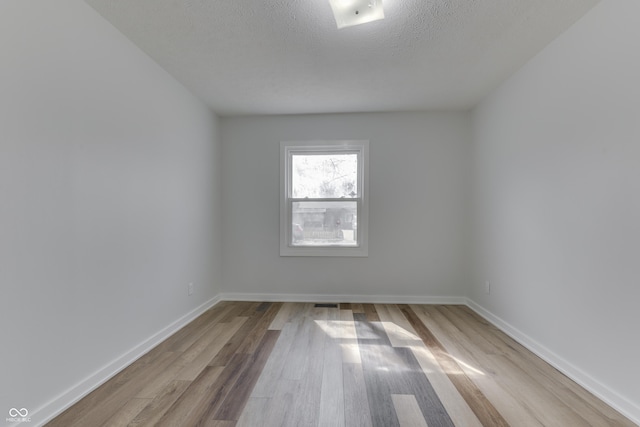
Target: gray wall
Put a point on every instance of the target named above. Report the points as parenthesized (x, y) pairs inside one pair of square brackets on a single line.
[(114, 193), (557, 190), (109, 179), (419, 164)]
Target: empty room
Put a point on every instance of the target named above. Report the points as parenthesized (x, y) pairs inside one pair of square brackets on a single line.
[(319, 213)]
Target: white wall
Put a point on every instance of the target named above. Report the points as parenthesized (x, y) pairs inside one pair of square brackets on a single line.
[(557, 190), (419, 167), (109, 186)]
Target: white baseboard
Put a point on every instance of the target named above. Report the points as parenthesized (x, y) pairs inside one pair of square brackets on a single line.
[(72, 395), (93, 381), (324, 298), (69, 397), (620, 403)]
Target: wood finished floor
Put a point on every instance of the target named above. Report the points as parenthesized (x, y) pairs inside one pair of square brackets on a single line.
[(293, 364)]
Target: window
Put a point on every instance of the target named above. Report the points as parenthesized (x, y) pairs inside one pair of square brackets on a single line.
[(323, 198)]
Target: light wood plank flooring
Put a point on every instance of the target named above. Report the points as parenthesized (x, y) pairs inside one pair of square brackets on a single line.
[(294, 364)]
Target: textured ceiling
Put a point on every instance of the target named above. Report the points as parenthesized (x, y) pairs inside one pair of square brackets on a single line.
[(287, 56)]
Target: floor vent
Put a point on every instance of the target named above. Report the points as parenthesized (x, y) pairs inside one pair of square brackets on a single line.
[(326, 306)]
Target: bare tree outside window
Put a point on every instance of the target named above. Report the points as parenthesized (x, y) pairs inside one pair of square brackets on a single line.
[(324, 222), (322, 198), (331, 176)]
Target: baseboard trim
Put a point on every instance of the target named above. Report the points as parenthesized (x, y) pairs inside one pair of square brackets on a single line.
[(66, 399), (71, 396), (336, 298), (609, 396)]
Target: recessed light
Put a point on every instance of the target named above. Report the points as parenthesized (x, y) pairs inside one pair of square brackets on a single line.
[(356, 12)]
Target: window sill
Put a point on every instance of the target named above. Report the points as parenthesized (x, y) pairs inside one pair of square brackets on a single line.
[(299, 251)]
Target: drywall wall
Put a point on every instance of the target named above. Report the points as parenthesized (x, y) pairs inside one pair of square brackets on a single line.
[(109, 178), (556, 189), (419, 165)]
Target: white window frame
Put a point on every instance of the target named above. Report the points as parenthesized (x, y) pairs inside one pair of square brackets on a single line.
[(287, 150)]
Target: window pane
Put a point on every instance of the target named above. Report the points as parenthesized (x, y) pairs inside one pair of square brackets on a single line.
[(324, 176), (324, 223)]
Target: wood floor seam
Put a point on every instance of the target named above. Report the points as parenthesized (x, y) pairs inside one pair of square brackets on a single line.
[(273, 364)]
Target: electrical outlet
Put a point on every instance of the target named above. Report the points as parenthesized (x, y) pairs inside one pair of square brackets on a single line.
[(190, 288), (487, 287)]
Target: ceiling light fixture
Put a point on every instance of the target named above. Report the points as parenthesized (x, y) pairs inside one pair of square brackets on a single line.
[(355, 12)]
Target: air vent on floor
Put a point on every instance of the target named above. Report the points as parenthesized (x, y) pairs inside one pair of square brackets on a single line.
[(326, 306)]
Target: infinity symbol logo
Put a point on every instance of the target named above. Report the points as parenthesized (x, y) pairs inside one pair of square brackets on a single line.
[(13, 412)]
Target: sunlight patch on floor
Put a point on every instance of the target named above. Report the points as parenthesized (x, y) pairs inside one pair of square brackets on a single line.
[(338, 328)]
